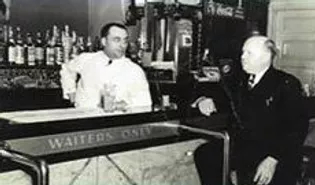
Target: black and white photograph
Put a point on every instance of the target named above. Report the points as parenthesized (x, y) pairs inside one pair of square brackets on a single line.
[(157, 92)]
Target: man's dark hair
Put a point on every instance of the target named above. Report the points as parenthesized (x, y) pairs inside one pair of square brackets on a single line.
[(105, 29)]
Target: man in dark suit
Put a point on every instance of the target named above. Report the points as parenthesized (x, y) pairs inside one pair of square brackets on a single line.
[(269, 127)]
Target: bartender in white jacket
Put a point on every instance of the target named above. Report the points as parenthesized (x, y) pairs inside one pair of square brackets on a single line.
[(106, 75)]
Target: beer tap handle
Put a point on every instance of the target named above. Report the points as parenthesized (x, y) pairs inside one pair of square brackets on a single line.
[(131, 14), (177, 10), (240, 3)]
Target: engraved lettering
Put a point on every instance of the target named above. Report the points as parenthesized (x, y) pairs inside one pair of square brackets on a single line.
[(109, 136), (82, 139), (136, 133), (147, 130), (125, 134), (75, 140), (68, 142), (55, 143), (90, 138), (100, 137)]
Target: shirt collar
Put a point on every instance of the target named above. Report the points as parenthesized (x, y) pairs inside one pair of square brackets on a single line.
[(259, 75), (107, 59)]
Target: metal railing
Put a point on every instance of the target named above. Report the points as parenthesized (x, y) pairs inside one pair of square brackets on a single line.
[(220, 135), (39, 166), (41, 169)]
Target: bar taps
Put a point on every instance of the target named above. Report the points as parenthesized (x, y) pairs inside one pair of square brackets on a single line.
[(240, 3), (177, 10)]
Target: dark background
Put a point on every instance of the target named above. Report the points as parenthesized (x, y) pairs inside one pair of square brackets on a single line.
[(39, 15)]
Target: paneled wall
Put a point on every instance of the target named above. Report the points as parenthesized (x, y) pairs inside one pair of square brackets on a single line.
[(291, 26)]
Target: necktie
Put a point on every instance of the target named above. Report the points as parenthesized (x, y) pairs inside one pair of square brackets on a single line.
[(251, 80), (110, 62)]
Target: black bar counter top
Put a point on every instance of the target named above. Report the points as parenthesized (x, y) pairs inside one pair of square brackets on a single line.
[(58, 135)]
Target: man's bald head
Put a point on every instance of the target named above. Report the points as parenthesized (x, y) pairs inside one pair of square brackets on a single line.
[(256, 55), (258, 41)]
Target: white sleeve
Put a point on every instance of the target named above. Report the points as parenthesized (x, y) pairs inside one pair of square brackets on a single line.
[(68, 75), (140, 92)]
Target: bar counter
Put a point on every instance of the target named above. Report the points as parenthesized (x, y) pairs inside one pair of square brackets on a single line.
[(89, 146)]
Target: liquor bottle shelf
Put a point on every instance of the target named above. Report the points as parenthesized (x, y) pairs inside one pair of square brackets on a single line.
[(16, 76), (15, 66)]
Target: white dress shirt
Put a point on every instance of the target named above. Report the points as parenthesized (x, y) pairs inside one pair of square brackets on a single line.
[(95, 71), (259, 76)]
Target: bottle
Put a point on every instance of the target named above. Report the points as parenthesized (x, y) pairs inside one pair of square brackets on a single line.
[(74, 38), (11, 47), (6, 33), (74, 47), (30, 50), (58, 51), (50, 53), (89, 45), (55, 32), (2, 44), (66, 42), (80, 45), (47, 37), (19, 60), (39, 50), (49, 60)]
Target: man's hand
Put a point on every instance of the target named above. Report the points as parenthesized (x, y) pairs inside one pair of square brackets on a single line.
[(71, 97), (265, 171), (120, 105), (206, 105), (110, 102)]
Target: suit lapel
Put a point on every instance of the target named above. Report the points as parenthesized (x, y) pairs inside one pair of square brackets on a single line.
[(266, 82)]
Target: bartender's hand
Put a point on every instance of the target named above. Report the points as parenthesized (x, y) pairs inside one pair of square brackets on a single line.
[(71, 97), (120, 105), (265, 171), (110, 102), (205, 105)]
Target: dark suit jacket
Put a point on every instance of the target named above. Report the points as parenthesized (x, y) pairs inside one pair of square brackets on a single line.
[(272, 121)]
